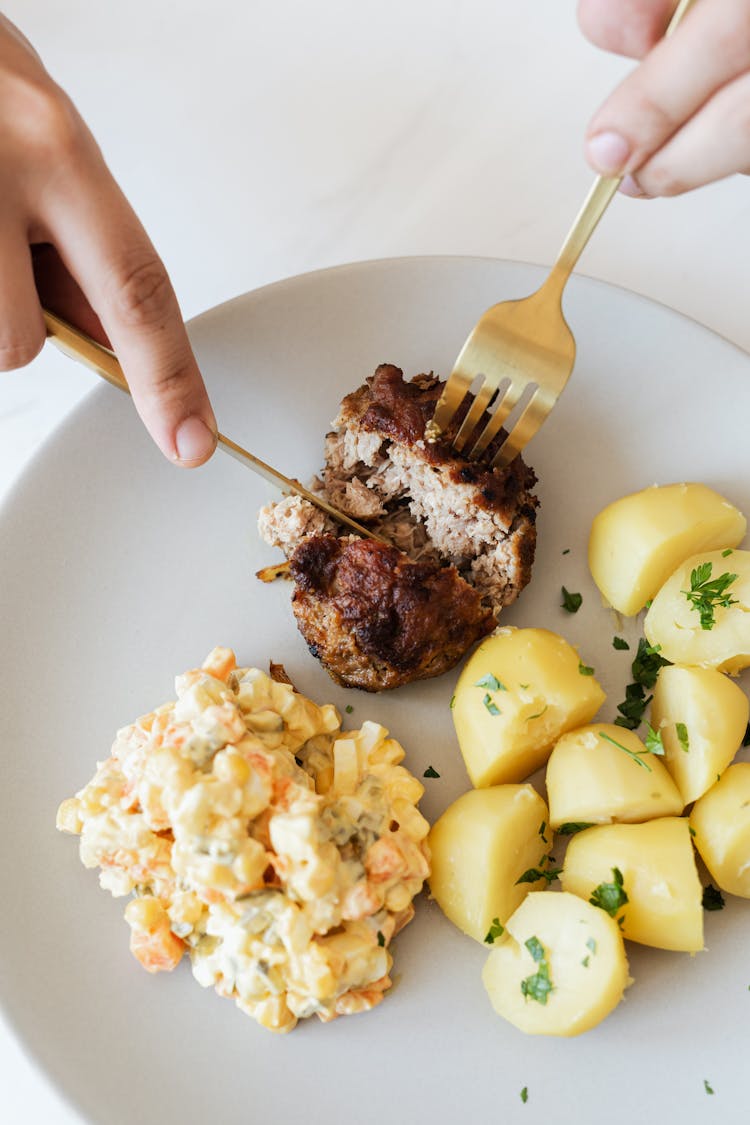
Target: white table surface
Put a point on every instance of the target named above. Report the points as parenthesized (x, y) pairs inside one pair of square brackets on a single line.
[(269, 139)]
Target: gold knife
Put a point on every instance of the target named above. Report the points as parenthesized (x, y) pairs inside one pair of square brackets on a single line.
[(78, 345)]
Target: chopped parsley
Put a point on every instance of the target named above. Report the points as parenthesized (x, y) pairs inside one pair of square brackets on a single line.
[(453, 701), (539, 985), (524, 687), (534, 874), (525, 1091), (709, 1089), (570, 827), (725, 554), (706, 594), (610, 896), (491, 682), (381, 938), (691, 830), (566, 551), (571, 602), (585, 961), (591, 944), (712, 899), (542, 830), (644, 670), (491, 707), (495, 931), (635, 755), (430, 772), (538, 714), (584, 669), (620, 643), (682, 736), (535, 948), (647, 663), (348, 708), (653, 742)]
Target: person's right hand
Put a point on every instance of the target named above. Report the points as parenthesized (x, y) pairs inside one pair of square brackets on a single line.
[(681, 119), (70, 240)]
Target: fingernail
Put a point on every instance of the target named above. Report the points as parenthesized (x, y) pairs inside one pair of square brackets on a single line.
[(631, 187), (194, 441), (608, 152)]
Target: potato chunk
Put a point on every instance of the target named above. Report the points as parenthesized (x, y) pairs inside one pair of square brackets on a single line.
[(638, 541), (721, 822), (559, 968), (723, 640), (702, 716), (600, 773), (517, 694), (481, 845), (660, 879)]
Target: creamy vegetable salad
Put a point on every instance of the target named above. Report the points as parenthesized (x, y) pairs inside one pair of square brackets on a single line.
[(280, 852)]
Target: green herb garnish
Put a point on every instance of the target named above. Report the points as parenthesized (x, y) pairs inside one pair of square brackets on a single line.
[(636, 755), (538, 714), (691, 830), (591, 944), (491, 707), (381, 938), (682, 736), (620, 643), (610, 896), (644, 670), (708, 1089), (746, 739), (570, 827), (653, 742), (633, 707), (430, 772), (725, 554), (542, 830), (584, 669), (646, 663), (453, 701), (534, 874), (491, 682), (571, 602), (539, 985), (566, 551), (706, 594), (495, 931), (712, 899), (525, 1091), (348, 708)]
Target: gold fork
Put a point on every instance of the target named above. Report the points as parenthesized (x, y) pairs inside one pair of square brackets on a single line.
[(78, 345), (523, 348)]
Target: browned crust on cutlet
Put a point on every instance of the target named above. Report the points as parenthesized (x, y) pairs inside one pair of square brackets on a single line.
[(375, 619), (399, 410)]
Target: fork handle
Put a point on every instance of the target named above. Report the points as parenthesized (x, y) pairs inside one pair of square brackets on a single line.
[(597, 200)]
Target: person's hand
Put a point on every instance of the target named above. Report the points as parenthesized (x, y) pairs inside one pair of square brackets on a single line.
[(682, 118), (70, 240)]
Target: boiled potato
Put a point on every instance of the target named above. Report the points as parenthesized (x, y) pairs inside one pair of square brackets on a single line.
[(517, 694), (721, 823), (702, 716), (559, 968), (639, 540), (480, 847), (657, 865), (674, 625), (600, 773)]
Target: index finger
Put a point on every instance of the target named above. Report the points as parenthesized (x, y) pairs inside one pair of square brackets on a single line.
[(625, 27), (107, 251)]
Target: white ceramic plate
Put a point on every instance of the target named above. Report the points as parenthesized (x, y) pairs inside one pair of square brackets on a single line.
[(118, 571)]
